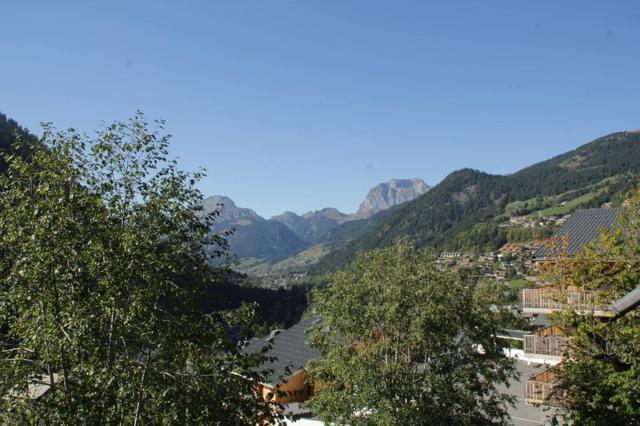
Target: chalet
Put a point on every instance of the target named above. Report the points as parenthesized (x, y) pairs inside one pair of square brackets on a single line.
[(549, 342), (449, 256), (511, 248), (290, 352)]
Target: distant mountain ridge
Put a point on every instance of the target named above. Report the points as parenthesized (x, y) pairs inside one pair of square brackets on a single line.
[(229, 211), (253, 236), (9, 129), (284, 235), (462, 212), (311, 226)]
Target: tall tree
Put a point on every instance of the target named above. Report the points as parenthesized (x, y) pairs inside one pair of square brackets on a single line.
[(400, 341), (600, 377), (101, 268)]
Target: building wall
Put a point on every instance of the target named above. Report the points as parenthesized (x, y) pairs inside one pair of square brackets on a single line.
[(295, 389), (550, 331)]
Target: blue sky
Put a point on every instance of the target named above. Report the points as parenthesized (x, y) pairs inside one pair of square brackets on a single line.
[(299, 105)]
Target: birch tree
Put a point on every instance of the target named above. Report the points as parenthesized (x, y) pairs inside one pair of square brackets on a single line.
[(101, 272), (400, 340)]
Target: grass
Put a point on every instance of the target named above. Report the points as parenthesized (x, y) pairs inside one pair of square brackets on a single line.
[(568, 207), (551, 205), (300, 261), (519, 282)]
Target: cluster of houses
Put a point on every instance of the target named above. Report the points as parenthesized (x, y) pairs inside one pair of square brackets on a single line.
[(533, 221), (512, 260), (545, 345)]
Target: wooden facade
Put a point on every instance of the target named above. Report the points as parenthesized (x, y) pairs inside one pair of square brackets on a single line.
[(295, 389), (548, 342), (539, 389)]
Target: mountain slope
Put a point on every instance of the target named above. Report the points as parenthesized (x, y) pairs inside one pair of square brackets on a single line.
[(467, 197), (253, 236), (311, 226), (9, 129)]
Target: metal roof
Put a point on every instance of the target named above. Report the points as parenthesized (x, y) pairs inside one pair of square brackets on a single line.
[(541, 321), (506, 333), (582, 227), (289, 348), (627, 302)]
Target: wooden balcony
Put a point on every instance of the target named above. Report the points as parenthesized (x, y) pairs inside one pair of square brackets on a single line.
[(548, 300), (547, 343), (539, 389)]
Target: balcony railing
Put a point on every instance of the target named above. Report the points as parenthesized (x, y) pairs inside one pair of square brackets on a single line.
[(539, 389), (540, 393), (545, 345), (542, 300)]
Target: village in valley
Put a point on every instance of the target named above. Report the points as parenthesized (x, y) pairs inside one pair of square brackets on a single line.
[(310, 213), (538, 347)]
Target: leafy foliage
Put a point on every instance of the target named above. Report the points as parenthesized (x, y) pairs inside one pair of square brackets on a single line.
[(500, 296), (101, 274), (399, 340)]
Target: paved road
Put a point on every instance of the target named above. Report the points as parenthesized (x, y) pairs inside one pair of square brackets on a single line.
[(523, 414)]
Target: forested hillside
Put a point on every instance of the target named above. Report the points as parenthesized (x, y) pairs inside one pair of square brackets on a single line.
[(9, 129), (463, 211)]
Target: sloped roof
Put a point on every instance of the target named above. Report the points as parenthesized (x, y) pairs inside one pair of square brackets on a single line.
[(627, 302), (541, 321), (511, 334), (289, 348), (582, 227)]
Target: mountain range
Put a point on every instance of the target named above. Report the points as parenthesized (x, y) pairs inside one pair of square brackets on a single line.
[(253, 237), (462, 212), (256, 239)]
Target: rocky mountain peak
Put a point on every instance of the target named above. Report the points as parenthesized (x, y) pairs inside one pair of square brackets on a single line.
[(391, 193), (229, 211)]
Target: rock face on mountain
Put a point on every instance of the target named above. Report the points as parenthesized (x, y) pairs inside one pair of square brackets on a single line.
[(287, 234), (253, 236), (389, 194), (312, 226), (229, 211)]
